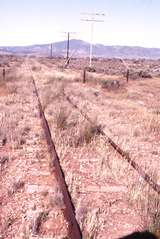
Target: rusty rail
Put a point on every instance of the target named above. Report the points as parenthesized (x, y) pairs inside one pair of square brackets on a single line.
[(74, 231), (121, 152)]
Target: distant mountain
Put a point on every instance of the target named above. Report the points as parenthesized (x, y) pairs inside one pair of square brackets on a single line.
[(80, 48)]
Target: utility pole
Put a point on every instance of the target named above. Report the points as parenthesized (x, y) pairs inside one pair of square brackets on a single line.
[(68, 46), (51, 53), (92, 18), (127, 69), (68, 38)]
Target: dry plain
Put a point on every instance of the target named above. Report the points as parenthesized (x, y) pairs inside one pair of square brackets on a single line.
[(111, 199)]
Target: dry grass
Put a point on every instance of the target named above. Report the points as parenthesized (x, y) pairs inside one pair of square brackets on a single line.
[(92, 222), (3, 161), (60, 119), (78, 133), (87, 133), (101, 79), (9, 221), (16, 187), (13, 89), (38, 220), (139, 193), (148, 203), (89, 221), (49, 95), (153, 212), (83, 134), (154, 124), (151, 121), (26, 131), (156, 111), (36, 68), (110, 84), (71, 76), (57, 199)]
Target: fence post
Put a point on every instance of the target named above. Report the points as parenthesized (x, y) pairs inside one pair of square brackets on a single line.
[(84, 75), (127, 75), (4, 74)]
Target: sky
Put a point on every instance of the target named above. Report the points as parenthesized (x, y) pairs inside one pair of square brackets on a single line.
[(126, 22)]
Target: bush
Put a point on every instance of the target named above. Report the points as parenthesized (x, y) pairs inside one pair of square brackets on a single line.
[(87, 133), (154, 124), (36, 68), (90, 69), (110, 84), (145, 74), (61, 119)]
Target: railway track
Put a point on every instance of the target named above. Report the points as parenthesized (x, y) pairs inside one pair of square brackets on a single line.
[(69, 213), (74, 231), (125, 155)]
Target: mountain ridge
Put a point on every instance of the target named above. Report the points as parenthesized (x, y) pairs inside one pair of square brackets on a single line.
[(79, 48)]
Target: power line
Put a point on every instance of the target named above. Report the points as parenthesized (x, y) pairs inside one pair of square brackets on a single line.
[(92, 18)]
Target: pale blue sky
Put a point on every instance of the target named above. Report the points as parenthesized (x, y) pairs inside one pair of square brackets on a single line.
[(127, 22)]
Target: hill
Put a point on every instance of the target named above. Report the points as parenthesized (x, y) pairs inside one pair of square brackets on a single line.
[(80, 48)]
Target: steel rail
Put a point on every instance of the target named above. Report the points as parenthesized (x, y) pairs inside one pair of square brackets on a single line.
[(74, 231), (148, 179)]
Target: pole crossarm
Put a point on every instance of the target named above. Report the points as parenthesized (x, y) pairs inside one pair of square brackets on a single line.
[(69, 32), (92, 20), (93, 14)]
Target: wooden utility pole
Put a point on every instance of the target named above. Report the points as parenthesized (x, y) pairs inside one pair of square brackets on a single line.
[(68, 38), (68, 47), (127, 68), (51, 53), (127, 75), (92, 19)]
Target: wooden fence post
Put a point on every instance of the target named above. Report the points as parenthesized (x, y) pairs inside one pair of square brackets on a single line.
[(4, 74), (84, 75), (127, 75)]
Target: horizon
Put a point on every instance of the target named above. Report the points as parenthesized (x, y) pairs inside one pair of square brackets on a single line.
[(49, 43), (127, 23)]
